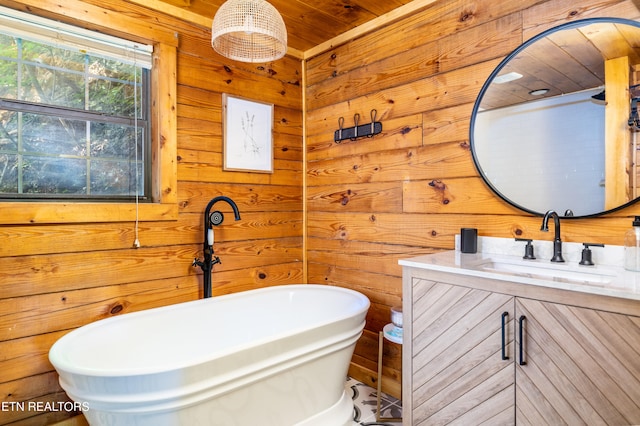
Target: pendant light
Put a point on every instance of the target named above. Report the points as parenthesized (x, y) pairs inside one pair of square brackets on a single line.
[(249, 31)]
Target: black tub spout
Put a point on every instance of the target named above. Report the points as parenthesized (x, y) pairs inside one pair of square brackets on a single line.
[(212, 219)]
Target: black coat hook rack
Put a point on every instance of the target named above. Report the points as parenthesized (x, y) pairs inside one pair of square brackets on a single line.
[(358, 131)]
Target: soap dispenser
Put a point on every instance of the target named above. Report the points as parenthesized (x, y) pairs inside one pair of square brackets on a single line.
[(632, 246)]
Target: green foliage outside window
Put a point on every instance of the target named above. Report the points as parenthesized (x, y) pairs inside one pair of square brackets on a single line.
[(67, 124)]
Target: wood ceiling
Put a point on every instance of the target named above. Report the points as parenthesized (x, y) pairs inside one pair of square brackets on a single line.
[(565, 62), (309, 22)]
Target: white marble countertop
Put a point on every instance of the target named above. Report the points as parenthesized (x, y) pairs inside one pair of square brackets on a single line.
[(607, 277)]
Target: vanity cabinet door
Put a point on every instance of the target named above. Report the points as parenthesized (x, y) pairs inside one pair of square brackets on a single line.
[(458, 372), (582, 366)]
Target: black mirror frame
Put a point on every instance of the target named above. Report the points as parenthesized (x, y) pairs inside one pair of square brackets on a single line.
[(496, 71)]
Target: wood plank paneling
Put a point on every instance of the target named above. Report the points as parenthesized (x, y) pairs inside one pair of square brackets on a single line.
[(393, 165), (55, 278), (456, 195), (370, 202), (367, 197), (432, 64), (360, 255), (552, 13), (430, 58), (222, 78), (439, 20), (403, 132)]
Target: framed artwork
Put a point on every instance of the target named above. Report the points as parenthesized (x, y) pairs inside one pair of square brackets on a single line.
[(248, 135)]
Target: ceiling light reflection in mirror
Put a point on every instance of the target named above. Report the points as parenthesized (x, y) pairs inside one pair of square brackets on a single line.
[(540, 137)]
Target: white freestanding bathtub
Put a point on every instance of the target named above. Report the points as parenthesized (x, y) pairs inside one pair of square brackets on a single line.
[(274, 356)]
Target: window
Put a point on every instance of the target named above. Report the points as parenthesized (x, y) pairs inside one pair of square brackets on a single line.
[(74, 113)]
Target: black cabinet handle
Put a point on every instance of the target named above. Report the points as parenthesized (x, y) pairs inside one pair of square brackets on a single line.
[(505, 315), (521, 321)]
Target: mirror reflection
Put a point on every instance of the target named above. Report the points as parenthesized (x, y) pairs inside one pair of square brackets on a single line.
[(553, 127)]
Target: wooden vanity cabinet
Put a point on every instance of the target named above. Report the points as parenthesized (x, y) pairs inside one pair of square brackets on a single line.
[(456, 370), (582, 366), (463, 362)]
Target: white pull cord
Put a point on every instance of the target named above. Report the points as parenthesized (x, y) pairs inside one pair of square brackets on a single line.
[(136, 242)]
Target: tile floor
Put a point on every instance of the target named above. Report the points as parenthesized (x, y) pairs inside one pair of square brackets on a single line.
[(364, 401)]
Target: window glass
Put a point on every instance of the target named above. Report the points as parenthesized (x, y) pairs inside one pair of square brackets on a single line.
[(68, 124)]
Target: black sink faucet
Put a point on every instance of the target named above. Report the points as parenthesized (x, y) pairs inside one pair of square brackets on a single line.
[(557, 242)]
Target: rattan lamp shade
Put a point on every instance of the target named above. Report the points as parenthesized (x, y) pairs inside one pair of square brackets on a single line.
[(249, 31)]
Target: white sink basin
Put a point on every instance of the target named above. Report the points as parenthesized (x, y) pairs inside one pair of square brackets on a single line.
[(560, 272)]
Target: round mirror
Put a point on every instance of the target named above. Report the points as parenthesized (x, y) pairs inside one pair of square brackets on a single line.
[(554, 126)]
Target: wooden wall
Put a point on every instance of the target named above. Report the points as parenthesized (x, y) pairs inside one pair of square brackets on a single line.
[(56, 277), (410, 190), (369, 203)]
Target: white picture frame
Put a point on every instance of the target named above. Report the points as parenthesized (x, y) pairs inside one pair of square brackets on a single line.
[(248, 135)]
